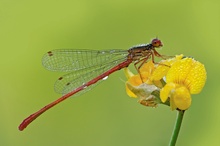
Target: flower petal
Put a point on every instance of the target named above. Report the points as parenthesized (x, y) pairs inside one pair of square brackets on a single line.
[(135, 80), (147, 67), (160, 71), (179, 71), (166, 90), (128, 91), (182, 98), (188, 72), (128, 73), (197, 78), (172, 104)]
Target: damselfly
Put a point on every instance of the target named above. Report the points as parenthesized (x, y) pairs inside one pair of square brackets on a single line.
[(88, 67)]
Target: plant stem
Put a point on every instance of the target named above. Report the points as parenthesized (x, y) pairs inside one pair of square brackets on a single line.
[(176, 128)]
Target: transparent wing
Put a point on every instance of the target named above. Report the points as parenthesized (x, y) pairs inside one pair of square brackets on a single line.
[(75, 79), (71, 60)]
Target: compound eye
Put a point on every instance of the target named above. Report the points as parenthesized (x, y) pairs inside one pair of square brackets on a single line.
[(156, 43)]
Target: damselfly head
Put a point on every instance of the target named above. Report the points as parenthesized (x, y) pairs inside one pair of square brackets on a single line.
[(156, 43)]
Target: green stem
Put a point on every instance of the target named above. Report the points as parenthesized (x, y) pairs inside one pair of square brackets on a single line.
[(176, 129)]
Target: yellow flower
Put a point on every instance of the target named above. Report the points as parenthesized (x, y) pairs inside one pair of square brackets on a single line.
[(185, 77), (174, 79)]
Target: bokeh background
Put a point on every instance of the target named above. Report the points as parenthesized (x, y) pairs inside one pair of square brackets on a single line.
[(105, 116)]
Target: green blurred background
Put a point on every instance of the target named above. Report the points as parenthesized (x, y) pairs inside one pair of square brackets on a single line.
[(105, 116)]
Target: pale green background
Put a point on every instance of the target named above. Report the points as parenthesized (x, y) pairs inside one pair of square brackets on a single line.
[(105, 116)]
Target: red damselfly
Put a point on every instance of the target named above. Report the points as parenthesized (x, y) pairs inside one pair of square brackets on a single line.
[(88, 67)]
